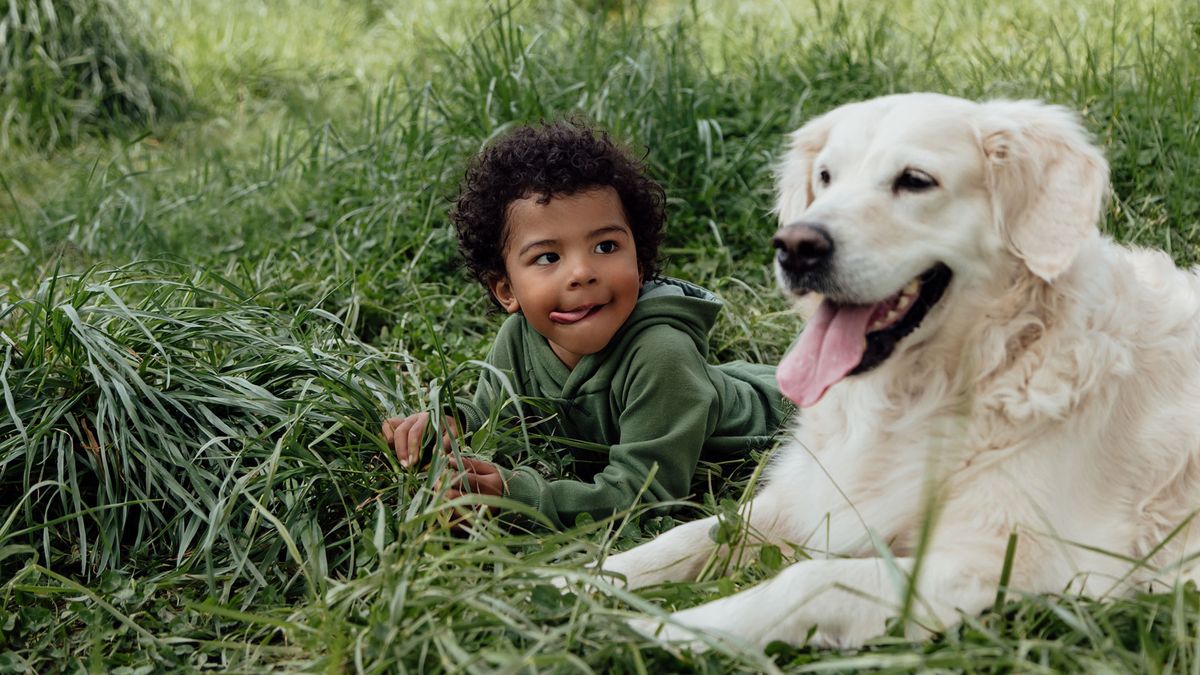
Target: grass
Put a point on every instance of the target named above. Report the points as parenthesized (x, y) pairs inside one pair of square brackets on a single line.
[(79, 67), (203, 317)]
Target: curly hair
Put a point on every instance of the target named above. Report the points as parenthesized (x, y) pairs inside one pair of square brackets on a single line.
[(548, 159)]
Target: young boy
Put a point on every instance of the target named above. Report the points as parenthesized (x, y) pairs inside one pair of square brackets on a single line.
[(562, 226)]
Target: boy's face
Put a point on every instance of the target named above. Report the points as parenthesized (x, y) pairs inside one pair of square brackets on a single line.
[(571, 268)]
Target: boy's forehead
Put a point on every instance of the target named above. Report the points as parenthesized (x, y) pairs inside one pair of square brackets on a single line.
[(541, 211)]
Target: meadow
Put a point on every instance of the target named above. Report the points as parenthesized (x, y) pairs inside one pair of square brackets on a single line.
[(225, 257)]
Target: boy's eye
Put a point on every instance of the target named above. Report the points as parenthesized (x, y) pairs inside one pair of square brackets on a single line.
[(546, 259), (607, 246)]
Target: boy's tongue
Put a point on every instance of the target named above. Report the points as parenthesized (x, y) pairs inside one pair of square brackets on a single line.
[(831, 345), (571, 316)]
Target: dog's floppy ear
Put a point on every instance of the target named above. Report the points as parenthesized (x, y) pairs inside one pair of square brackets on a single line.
[(1048, 182), (793, 175)]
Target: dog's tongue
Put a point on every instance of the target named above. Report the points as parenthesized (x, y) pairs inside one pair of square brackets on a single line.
[(831, 345)]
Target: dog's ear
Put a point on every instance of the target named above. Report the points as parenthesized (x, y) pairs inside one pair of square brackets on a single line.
[(793, 175), (1048, 182)]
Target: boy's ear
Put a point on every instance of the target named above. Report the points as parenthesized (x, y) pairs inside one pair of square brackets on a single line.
[(502, 290)]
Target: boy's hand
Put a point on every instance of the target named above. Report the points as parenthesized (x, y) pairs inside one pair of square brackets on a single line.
[(477, 477), (403, 435)]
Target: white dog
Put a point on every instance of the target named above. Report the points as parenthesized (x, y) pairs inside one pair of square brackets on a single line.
[(979, 361)]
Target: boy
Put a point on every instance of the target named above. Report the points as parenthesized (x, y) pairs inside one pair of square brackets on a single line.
[(562, 227)]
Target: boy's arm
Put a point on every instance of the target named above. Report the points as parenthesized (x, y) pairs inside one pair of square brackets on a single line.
[(668, 412), (473, 412)]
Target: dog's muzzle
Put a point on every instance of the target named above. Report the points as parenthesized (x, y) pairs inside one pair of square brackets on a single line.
[(804, 255)]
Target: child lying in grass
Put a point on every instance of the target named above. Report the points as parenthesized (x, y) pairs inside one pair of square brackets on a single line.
[(562, 226)]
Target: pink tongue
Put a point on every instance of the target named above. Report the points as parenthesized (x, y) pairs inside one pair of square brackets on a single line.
[(569, 317), (831, 345)]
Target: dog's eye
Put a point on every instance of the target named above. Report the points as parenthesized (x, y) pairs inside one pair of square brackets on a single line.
[(913, 180), (824, 177)]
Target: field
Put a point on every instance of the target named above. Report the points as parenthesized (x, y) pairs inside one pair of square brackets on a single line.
[(226, 257)]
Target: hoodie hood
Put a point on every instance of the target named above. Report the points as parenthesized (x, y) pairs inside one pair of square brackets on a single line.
[(680, 304), (664, 301), (672, 302)]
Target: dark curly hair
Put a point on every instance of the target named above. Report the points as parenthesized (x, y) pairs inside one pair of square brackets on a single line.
[(548, 159)]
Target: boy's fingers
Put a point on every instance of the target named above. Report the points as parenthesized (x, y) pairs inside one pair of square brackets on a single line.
[(414, 437), (471, 489), (478, 466), (452, 479), (455, 482), (475, 476), (404, 447), (451, 431), (487, 483), (390, 425), (476, 482), (400, 444)]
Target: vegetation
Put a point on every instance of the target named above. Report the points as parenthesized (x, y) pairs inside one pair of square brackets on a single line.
[(226, 256), (75, 67)]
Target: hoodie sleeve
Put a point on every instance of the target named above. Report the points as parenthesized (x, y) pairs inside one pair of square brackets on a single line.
[(667, 408)]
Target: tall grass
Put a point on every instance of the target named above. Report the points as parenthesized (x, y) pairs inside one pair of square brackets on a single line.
[(200, 330), (75, 67), (141, 426)]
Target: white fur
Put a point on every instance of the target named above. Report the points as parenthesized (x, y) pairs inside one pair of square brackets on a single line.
[(1053, 392)]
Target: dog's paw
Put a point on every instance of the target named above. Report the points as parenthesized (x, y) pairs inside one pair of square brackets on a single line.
[(577, 582), (592, 579), (561, 583), (668, 633)]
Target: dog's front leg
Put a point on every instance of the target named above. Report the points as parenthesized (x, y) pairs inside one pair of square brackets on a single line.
[(681, 553), (842, 602), (676, 555)]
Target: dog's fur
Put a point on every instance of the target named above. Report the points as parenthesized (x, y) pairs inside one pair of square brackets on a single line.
[(1052, 392)]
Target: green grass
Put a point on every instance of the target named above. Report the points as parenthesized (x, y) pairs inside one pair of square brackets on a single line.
[(80, 67), (204, 316)]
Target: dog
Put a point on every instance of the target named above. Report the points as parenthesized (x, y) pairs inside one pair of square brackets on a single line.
[(982, 375)]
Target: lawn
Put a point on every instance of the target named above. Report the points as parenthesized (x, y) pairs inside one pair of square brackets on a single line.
[(226, 257)]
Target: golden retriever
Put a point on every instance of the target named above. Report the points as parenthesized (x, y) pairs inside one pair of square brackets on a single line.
[(978, 361)]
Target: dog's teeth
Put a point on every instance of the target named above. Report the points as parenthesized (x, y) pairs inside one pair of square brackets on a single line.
[(884, 321), (912, 288), (903, 302)]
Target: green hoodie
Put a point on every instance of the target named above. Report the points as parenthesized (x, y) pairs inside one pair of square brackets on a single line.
[(649, 396)]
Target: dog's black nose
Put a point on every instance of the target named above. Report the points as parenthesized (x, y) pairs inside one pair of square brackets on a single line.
[(802, 247)]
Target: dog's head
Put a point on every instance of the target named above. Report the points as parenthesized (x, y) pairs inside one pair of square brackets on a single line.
[(886, 206)]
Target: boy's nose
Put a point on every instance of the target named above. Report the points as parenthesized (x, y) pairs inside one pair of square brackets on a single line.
[(582, 274)]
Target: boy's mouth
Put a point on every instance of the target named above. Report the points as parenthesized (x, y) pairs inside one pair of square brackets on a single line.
[(576, 315)]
